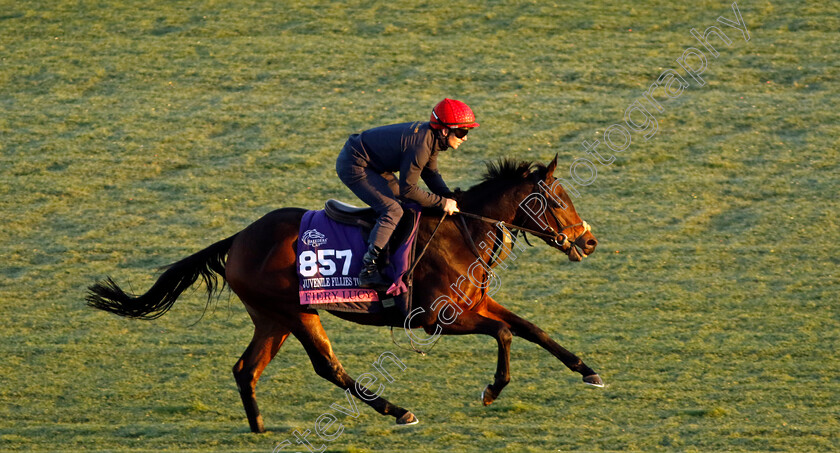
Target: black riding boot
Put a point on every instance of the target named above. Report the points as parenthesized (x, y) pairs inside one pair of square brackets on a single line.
[(370, 276)]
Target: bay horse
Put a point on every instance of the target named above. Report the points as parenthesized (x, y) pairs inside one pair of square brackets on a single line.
[(258, 264)]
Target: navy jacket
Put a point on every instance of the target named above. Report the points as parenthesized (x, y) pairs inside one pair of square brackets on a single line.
[(408, 148)]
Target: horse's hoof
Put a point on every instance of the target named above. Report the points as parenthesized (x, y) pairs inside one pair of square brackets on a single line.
[(487, 396), (257, 427), (593, 380), (408, 419)]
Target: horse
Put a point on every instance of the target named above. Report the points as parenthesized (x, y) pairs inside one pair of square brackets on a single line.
[(259, 266)]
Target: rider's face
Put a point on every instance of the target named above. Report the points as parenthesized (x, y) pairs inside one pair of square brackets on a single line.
[(452, 138)]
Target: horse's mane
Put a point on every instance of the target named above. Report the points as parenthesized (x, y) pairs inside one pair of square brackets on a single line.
[(500, 176), (508, 169)]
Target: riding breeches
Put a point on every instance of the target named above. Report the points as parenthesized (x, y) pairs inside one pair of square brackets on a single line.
[(378, 190)]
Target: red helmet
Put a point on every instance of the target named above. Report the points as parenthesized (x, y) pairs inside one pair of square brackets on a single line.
[(452, 113)]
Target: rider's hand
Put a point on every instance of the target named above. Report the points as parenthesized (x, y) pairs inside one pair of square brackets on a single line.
[(450, 206)]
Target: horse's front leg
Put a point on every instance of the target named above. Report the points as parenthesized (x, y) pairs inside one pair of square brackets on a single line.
[(527, 330), (471, 323)]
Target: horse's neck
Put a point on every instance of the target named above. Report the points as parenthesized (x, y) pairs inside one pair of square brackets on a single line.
[(501, 205)]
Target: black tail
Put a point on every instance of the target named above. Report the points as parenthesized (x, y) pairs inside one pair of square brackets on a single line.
[(207, 264)]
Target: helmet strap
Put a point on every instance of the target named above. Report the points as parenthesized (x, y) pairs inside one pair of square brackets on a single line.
[(439, 137)]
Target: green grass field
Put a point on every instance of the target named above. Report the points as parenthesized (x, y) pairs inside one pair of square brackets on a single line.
[(132, 136)]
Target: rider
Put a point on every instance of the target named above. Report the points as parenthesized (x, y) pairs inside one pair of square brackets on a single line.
[(368, 161)]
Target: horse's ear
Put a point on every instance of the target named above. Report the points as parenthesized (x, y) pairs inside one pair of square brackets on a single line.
[(551, 167)]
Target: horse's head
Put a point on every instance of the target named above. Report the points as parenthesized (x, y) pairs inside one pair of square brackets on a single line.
[(549, 209)]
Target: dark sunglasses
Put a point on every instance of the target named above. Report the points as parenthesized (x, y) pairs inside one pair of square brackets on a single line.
[(460, 133)]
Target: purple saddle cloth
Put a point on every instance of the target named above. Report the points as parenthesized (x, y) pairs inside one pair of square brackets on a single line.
[(329, 260)]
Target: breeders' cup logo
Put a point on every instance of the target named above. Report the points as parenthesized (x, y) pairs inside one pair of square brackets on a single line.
[(313, 238)]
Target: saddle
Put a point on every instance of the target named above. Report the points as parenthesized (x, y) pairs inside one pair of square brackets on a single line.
[(348, 214), (366, 217)]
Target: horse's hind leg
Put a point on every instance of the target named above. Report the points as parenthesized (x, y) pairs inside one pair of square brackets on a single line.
[(311, 334), (268, 337)]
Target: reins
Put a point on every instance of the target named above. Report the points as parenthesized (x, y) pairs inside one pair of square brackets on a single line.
[(543, 234), (509, 226), (417, 260)]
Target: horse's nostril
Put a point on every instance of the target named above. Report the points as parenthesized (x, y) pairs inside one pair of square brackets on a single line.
[(591, 243)]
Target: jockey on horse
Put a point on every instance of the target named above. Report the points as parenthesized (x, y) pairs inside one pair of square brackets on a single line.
[(368, 160)]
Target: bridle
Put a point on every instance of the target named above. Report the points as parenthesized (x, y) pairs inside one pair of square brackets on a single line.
[(559, 238)]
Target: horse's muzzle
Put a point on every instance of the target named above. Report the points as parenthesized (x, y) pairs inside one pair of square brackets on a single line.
[(582, 247), (587, 243)]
